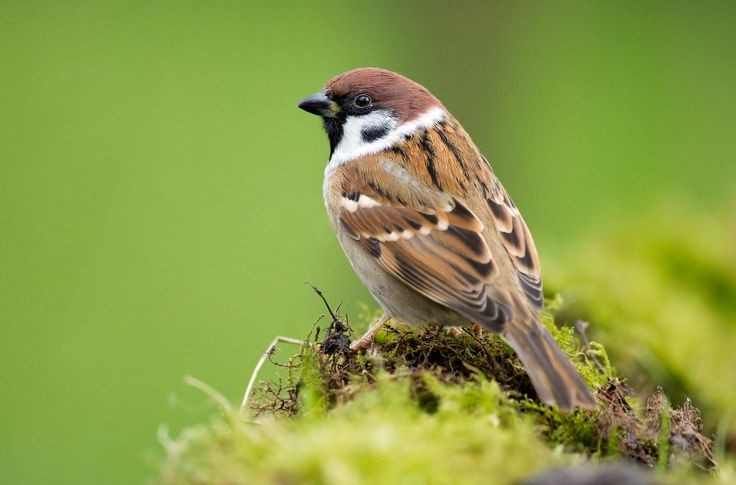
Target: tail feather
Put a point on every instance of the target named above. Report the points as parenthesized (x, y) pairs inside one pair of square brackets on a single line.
[(552, 374)]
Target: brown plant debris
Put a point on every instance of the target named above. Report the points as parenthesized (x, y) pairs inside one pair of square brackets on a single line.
[(660, 428)]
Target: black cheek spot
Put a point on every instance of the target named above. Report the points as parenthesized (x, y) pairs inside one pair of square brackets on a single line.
[(373, 133)]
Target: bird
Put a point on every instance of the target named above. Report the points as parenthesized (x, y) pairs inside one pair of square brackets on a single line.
[(428, 227)]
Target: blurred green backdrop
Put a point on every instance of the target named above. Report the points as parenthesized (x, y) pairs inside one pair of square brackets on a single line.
[(160, 194)]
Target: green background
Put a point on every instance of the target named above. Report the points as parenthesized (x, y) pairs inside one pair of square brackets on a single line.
[(160, 194)]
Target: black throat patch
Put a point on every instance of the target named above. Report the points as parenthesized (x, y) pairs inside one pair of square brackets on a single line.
[(333, 127)]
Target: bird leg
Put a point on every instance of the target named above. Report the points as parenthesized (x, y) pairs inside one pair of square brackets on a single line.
[(366, 341)]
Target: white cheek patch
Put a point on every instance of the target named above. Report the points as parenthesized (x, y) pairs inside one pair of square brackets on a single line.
[(353, 144), (352, 132)]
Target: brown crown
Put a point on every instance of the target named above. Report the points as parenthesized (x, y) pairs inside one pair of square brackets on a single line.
[(388, 89)]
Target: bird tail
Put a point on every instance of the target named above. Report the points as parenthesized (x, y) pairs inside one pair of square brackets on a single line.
[(552, 374)]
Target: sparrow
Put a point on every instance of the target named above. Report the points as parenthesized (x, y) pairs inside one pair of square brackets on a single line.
[(428, 227)]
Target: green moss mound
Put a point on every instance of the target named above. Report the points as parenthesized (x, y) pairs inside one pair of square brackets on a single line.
[(431, 407)]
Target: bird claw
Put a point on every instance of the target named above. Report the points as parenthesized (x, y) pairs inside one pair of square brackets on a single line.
[(366, 341)]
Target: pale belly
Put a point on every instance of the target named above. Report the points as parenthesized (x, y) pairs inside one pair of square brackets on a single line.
[(397, 300)]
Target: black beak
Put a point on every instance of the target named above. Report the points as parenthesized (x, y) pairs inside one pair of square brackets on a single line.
[(320, 105)]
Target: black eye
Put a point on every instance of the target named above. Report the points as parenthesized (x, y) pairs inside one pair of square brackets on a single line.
[(363, 101)]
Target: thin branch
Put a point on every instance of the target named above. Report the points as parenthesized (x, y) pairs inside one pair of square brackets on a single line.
[(319, 293), (581, 326)]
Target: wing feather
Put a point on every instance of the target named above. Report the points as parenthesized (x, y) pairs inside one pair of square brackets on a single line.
[(516, 239), (438, 251)]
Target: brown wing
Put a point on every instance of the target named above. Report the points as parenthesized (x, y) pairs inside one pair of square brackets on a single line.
[(516, 239), (427, 239)]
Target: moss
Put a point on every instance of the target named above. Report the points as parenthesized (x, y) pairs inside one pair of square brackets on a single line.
[(381, 436), (662, 293), (422, 407)]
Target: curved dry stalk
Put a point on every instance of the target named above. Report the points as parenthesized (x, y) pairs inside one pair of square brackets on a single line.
[(210, 391), (269, 350)]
